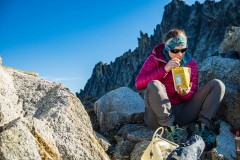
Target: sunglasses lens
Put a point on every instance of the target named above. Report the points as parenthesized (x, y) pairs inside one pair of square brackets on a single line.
[(184, 50), (175, 51)]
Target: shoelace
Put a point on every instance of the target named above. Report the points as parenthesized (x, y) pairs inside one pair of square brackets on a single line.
[(178, 135), (208, 136)]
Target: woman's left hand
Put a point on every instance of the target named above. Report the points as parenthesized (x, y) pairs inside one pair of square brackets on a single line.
[(183, 92)]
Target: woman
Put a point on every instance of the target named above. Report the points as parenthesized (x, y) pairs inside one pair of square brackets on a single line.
[(164, 106)]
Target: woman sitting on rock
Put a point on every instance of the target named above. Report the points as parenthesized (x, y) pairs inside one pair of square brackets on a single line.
[(165, 106)]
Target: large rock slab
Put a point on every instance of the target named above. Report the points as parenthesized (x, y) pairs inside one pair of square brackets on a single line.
[(10, 104), (117, 106), (231, 40), (17, 142), (23, 140), (227, 70), (226, 142), (55, 121)]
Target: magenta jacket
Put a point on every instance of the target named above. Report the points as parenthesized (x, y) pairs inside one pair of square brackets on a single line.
[(153, 69)]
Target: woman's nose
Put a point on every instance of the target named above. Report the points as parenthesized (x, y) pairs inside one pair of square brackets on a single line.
[(180, 54)]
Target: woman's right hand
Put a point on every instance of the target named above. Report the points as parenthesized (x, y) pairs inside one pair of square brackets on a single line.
[(184, 92), (175, 62)]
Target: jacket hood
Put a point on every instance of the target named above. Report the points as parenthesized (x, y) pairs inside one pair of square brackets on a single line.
[(158, 53)]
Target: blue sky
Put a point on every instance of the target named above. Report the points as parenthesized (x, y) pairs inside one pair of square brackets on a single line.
[(63, 40)]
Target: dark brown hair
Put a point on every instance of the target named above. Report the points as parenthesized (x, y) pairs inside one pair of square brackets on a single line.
[(174, 33)]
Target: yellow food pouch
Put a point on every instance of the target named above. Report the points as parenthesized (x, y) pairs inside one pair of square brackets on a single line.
[(181, 77)]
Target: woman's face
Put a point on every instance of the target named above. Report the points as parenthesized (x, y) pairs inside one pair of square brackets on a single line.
[(178, 52)]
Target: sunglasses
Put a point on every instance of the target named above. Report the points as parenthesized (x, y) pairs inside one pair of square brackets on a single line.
[(175, 51)]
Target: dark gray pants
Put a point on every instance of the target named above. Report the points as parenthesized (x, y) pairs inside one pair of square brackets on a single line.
[(202, 107)]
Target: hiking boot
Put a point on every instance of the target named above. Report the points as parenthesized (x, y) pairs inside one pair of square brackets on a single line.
[(190, 128), (207, 134), (205, 123)]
